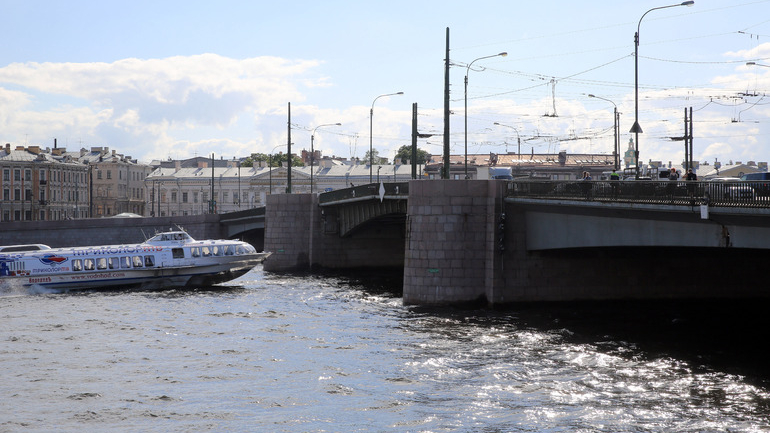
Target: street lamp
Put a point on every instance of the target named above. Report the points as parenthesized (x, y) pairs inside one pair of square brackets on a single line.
[(312, 152), (616, 146), (756, 64), (467, 71), (518, 138), (270, 169), (371, 116), (636, 129)]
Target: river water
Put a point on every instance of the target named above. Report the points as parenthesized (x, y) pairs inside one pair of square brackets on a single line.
[(276, 353)]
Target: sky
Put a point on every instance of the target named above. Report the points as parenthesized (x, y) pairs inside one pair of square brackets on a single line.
[(176, 79)]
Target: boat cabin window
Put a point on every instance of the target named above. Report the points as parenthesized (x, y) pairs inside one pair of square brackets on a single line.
[(137, 261), (88, 264), (177, 253), (101, 263), (216, 251), (149, 261), (125, 262), (229, 250), (113, 262), (195, 252), (206, 251), (77, 265)]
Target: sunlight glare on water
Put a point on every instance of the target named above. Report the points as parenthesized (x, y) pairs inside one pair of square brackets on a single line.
[(310, 354)]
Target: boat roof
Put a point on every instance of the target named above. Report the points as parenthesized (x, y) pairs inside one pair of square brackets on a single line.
[(24, 247)]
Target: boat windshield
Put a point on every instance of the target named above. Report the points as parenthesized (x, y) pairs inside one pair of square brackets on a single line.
[(171, 237)]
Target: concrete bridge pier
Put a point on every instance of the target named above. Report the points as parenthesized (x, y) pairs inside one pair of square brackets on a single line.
[(453, 242)]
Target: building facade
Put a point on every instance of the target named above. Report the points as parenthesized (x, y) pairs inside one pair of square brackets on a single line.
[(39, 184)]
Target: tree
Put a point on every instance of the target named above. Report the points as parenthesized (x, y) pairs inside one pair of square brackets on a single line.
[(375, 157), (273, 160), (405, 153)]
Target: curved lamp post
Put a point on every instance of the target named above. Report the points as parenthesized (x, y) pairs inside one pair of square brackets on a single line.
[(636, 129), (467, 71), (312, 152), (371, 116), (518, 137), (756, 64), (616, 146)]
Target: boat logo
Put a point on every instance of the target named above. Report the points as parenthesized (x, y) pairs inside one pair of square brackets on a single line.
[(52, 259)]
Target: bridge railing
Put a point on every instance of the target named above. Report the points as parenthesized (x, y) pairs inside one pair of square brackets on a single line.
[(365, 191), (690, 193)]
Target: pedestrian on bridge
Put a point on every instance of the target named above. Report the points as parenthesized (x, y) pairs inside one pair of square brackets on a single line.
[(614, 183), (586, 185), (673, 176), (690, 176)]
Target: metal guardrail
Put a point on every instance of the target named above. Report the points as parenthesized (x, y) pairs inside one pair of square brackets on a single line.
[(689, 193), (365, 191)]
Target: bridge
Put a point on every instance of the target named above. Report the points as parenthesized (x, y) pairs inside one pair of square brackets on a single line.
[(501, 242)]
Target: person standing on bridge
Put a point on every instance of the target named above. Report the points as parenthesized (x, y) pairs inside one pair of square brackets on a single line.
[(614, 183), (587, 185), (689, 177), (673, 176)]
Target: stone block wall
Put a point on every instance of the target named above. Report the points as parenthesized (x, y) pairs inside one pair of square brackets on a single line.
[(451, 252), (302, 236), (104, 231), (288, 222)]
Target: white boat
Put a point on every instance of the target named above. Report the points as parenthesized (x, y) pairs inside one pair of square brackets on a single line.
[(167, 260)]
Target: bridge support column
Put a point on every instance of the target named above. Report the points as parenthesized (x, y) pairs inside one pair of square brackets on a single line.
[(290, 220), (452, 253)]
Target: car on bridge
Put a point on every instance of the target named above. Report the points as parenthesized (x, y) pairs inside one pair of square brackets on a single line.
[(759, 182), (731, 188)]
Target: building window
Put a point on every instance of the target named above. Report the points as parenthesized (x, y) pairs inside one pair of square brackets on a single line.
[(17, 175), (7, 194), (109, 174), (184, 197), (6, 175), (17, 194)]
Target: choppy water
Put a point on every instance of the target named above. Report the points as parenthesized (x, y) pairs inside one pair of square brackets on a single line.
[(325, 354)]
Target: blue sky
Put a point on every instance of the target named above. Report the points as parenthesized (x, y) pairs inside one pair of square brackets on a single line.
[(160, 79)]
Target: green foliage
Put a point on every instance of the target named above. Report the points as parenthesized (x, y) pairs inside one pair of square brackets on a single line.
[(273, 160), (375, 157), (405, 153)]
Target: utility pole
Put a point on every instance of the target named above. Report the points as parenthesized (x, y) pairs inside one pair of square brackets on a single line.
[(414, 141), (445, 171), (288, 156), (212, 202)]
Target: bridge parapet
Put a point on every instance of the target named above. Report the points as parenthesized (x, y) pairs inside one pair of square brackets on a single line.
[(393, 190), (687, 193)]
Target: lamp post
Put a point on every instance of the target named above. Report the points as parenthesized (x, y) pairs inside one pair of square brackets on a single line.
[(518, 138), (756, 64), (616, 146), (312, 152), (467, 71), (636, 129), (270, 169), (371, 116)]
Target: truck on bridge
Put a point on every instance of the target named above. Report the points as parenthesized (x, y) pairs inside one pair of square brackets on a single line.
[(487, 173)]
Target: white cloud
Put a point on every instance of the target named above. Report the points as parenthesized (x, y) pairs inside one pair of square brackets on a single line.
[(133, 104)]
